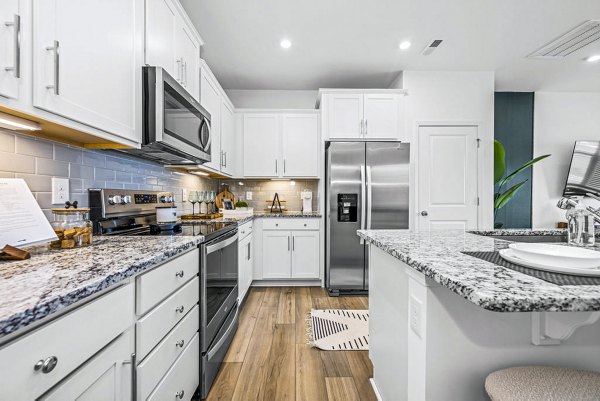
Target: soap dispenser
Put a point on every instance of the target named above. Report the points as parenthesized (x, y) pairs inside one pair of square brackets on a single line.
[(581, 225)]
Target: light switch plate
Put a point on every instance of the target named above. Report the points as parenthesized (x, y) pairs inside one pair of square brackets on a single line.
[(60, 190), (248, 195)]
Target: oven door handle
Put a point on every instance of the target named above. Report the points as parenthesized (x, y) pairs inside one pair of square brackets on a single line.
[(221, 243), (211, 353)]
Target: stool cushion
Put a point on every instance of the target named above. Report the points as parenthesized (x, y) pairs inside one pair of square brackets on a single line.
[(543, 383)]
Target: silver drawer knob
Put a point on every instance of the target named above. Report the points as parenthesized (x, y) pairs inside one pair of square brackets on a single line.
[(180, 343), (180, 309), (424, 213), (179, 394), (46, 365), (179, 273)]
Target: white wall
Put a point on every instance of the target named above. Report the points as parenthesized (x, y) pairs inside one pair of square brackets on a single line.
[(273, 99), (560, 118), (454, 96)]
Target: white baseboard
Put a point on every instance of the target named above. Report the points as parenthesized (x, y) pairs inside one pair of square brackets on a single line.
[(375, 389), (286, 283)]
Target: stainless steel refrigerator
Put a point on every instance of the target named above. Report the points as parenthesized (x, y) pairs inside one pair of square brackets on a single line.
[(367, 187)]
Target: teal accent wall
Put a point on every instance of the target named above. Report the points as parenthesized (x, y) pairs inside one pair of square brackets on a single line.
[(513, 126)]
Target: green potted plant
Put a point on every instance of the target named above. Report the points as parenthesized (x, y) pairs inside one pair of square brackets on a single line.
[(241, 205), (501, 196)]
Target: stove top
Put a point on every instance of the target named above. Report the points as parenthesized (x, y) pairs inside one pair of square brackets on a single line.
[(207, 229)]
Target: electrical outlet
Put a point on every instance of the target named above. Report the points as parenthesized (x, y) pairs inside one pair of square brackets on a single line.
[(60, 190), (184, 195), (248, 195), (415, 308)]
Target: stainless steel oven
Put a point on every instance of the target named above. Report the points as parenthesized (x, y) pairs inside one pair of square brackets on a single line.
[(176, 129), (218, 302)]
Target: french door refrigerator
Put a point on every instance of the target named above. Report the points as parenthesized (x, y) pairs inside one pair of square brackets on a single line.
[(367, 187)]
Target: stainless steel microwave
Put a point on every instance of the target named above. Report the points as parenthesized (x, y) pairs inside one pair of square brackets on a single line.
[(176, 129)]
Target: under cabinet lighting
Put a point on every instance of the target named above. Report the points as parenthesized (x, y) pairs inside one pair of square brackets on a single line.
[(593, 59), (286, 43), (18, 123), (404, 45), (202, 173)]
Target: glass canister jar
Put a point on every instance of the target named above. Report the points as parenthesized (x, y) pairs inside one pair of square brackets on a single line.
[(72, 228)]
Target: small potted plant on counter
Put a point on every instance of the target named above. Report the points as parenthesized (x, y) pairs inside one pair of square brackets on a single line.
[(241, 206)]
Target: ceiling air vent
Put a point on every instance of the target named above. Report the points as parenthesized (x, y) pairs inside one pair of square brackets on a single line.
[(431, 47), (575, 39)]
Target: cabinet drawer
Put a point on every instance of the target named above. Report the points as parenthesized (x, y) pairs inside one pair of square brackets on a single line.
[(153, 368), (156, 285), (159, 321), (72, 339), (184, 376), (291, 224), (245, 230)]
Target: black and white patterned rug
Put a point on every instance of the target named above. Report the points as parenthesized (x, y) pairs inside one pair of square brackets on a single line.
[(339, 329)]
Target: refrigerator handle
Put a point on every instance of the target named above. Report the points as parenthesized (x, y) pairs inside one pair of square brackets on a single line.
[(369, 197), (362, 200)]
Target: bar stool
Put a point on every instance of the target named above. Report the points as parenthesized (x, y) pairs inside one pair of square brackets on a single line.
[(543, 383)]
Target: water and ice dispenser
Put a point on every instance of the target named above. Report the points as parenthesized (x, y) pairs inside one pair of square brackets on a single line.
[(347, 208)]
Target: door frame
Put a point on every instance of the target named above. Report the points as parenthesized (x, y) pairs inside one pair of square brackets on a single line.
[(414, 222)]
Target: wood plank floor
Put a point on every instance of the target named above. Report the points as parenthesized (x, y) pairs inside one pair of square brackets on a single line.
[(269, 359)]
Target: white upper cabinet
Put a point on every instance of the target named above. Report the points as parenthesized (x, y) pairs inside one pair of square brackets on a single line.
[(228, 143), (87, 57), (362, 114), (210, 99), (281, 145), (300, 143), (10, 48), (261, 145), (172, 43)]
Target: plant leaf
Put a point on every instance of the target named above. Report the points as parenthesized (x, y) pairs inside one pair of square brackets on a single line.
[(508, 195), (523, 167), (499, 161)]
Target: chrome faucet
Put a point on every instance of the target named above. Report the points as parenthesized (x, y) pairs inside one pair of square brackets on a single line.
[(567, 203)]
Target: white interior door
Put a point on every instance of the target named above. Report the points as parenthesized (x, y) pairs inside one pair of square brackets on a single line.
[(382, 116), (10, 48), (447, 177), (300, 145), (345, 115)]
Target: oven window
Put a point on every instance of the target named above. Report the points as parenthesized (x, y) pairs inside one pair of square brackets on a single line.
[(221, 278), (181, 119)]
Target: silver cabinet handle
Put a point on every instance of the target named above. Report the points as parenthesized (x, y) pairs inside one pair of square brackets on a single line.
[(360, 128), (178, 61), (288, 242), (293, 242), (179, 394), (46, 365), (424, 213), (180, 309), (366, 127), (283, 166), (180, 343), (56, 50), (179, 273), (225, 159), (249, 251), (16, 24), (275, 166), (184, 72)]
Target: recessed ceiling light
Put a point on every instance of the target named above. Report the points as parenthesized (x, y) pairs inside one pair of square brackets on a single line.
[(593, 59), (286, 44), (404, 45)]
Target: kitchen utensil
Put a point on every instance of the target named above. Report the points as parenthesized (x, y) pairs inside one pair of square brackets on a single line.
[(549, 254), (225, 194), (166, 214), (509, 255)]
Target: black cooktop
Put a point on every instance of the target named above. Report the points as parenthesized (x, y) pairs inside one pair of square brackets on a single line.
[(208, 229)]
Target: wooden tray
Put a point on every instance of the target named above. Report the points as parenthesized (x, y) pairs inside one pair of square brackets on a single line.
[(201, 216)]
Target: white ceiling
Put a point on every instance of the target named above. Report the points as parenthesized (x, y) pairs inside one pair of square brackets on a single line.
[(354, 43)]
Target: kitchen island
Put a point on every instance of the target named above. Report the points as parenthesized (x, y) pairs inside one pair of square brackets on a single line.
[(442, 320)]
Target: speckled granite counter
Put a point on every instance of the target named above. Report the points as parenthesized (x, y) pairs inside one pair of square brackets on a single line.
[(53, 280), (437, 254), (266, 215)]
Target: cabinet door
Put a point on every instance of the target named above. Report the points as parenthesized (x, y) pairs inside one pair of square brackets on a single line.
[(227, 138), (261, 145), (105, 377), (383, 116), (300, 137), (344, 115), (305, 254), (161, 27), (210, 99), (187, 50), (10, 48), (250, 262), (245, 266), (87, 56), (277, 262)]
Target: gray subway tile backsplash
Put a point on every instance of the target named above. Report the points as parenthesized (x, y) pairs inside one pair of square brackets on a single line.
[(12, 162), (29, 146), (51, 167), (68, 154)]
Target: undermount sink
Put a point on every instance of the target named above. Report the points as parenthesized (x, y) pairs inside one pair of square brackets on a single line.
[(531, 238)]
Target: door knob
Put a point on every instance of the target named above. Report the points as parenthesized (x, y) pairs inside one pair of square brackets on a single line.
[(424, 213)]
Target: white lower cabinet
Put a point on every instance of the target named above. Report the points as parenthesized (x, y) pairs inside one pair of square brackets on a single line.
[(291, 254), (245, 260), (107, 376)]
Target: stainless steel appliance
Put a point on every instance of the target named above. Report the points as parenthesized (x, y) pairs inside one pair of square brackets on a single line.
[(132, 212), (367, 187), (176, 129)]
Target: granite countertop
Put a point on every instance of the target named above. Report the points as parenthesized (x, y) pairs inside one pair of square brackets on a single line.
[(53, 280), (258, 215), (437, 254)]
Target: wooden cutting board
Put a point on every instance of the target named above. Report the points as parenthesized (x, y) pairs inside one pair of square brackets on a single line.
[(225, 194)]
